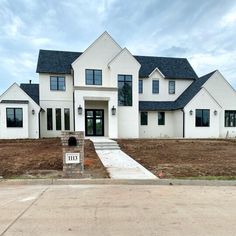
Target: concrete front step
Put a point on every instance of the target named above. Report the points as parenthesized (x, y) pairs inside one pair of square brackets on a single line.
[(106, 145), (107, 148)]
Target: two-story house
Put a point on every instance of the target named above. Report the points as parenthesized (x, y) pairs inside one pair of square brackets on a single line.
[(107, 91)]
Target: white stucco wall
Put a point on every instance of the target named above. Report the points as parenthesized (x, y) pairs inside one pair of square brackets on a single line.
[(173, 127), (225, 95), (30, 127), (105, 54), (97, 56), (147, 95), (55, 99), (43, 117), (202, 101)]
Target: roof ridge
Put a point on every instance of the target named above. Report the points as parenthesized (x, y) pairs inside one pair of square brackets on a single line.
[(51, 50), (161, 57)]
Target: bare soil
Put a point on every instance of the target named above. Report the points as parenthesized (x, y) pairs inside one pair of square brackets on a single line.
[(183, 158), (43, 156)]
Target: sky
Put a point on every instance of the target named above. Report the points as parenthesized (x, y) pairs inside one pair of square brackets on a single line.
[(203, 31)]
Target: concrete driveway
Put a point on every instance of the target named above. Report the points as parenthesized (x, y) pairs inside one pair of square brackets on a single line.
[(117, 210)]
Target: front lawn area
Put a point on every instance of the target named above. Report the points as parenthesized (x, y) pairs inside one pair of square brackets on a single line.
[(43, 158), (184, 158)]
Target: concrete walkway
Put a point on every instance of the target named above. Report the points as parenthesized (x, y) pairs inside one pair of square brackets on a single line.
[(119, 165)]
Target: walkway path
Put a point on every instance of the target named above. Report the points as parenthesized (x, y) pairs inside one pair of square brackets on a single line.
[(119, 164)]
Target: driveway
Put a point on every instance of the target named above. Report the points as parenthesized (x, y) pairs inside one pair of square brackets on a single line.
[(117, 210)]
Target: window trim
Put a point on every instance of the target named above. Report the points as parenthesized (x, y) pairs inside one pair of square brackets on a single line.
[(65, 125), (202, 113), (51, 118), (93, 70), (14, 115), (58, 88), (58, 116), (140, 88), (234, 122), (172, 81), (164, 118), (141, 121), (153, 81), (126, 81)]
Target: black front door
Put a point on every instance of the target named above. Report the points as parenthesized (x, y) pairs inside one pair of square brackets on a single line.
[(94, 122)]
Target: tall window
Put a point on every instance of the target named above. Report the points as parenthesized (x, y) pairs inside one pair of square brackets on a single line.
[(49, 119), (161, 118), (58, 119), (140, 86), (202, 117), (67, 118), (155, 86), (230, 118), (171, 87), (144, 118), (93, 77), (125, 90), (14, 117), (57, 83)]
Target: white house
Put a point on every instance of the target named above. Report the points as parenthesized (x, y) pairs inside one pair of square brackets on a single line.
[(107, 91)]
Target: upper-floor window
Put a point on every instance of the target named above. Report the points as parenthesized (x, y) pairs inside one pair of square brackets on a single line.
[(144, 118), (155, 86), (171, 87), (230, 118), (93, 77), (202, 117), (57, 83), (140, 86), (161, 118), (14, 117), (125, 90)]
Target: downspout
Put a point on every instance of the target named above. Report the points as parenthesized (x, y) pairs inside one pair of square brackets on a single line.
[(72, 72), (183, 123)]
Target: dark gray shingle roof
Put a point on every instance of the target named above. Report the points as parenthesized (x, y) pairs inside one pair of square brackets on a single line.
[(32, 90), (56, 61), (171, 68), (60, 62), (181, 101), (15, 101)]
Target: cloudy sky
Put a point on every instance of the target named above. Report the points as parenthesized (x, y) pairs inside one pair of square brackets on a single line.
[(204, 31)]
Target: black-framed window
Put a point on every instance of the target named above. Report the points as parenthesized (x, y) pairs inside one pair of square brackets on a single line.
[(161, 118), (230, 118), (144, 118), (67, 118), (57, 83), (171, 87), (125, 90), (14, 117), (155, 86), (93, 77), (49, 119), (140, 86), (58, 118), (202, 117)]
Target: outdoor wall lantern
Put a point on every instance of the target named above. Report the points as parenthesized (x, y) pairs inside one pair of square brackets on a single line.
[(191, 112), (113, 110), (215, 112), (80, 110), (33, 112)]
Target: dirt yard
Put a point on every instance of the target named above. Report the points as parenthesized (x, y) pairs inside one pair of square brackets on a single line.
[(183, 158), (43, 156)]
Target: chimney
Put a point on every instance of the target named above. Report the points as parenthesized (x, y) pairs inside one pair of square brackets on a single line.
[(30, 81)]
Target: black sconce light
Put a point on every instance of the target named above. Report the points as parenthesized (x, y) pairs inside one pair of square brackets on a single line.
[(215, 112), (191, 112), (113, 110), (80, 110), (33, 112)]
